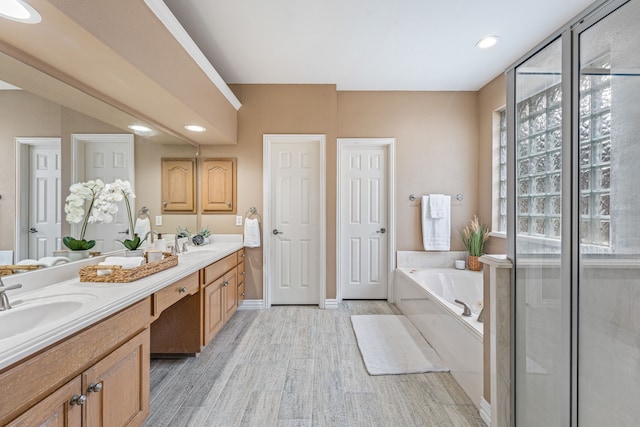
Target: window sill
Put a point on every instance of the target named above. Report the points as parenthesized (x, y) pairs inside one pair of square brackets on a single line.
[(500, 234)]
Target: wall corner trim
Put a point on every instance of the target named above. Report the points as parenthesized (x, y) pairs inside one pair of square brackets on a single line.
[(485, 411)]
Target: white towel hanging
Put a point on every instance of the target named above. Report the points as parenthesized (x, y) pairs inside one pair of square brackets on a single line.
[(436, 232), (251, 233)]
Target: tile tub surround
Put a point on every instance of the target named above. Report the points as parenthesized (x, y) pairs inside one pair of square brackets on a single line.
[(105, 298), (458, 342), (420, 259)]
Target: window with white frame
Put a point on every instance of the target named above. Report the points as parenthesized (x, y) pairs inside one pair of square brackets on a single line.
[(499, 216)]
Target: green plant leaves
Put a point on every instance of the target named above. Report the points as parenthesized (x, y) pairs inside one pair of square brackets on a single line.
[(78, 245), (132, 244)]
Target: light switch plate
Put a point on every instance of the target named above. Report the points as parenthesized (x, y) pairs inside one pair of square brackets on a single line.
[(238, 219), (158, 219)]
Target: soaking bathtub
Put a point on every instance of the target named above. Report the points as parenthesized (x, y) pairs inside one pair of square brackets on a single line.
[(426, 296)]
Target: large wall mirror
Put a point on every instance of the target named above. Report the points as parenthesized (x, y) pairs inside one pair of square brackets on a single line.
[(41, 120)]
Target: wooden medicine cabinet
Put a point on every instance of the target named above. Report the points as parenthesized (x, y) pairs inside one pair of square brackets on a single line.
[(218, 179), (178, 186)]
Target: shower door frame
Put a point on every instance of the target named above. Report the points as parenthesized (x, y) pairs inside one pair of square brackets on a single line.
[(570, 246)]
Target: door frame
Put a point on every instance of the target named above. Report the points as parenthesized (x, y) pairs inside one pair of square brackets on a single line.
[(268, 140), (390, 145), (22, 189)]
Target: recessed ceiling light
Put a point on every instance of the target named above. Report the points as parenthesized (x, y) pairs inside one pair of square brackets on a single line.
[(195, 128), (18, 10), (140, 128), (487, 42)]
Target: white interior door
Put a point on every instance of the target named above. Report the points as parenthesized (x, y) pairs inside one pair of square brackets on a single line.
[(364, 222), (45, 207), (106, 157), (296, 270)]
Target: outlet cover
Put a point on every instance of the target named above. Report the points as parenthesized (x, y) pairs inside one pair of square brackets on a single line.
[(238, 219), (158, 219)]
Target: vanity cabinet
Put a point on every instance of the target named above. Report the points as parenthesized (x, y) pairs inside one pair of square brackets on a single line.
[(98, 377), (176, 310), (218, 181), (178, 186), (220, 291)]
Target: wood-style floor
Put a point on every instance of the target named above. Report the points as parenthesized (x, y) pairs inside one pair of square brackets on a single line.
[(298, 366)]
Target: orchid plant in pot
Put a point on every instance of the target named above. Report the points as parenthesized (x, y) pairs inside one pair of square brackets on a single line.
[(79, 194), (473, 237)]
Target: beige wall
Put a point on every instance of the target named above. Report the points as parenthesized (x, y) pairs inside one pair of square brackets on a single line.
[(18, 112), (491, 97), (274, 109), (436, 150)]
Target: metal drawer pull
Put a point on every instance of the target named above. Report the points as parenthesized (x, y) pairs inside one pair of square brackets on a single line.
[(242, 255), (94, 388), (242, 294), (78, 400), (243, 273), (182, 290)]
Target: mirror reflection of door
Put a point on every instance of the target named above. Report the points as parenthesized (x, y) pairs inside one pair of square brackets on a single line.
[(38, 231), (106, 157)]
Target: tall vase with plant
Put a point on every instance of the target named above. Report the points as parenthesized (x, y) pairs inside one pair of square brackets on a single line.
[(473, 237)]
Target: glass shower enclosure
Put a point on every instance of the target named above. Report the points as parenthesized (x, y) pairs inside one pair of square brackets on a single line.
[(574, 219)]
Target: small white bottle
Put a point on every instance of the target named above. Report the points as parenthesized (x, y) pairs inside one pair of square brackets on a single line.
[(160, 244)]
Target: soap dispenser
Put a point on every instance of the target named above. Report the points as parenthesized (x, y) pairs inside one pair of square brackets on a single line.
[(161, 245)]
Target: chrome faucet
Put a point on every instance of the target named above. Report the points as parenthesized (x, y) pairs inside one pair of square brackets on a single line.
[(6, 305), (467, 310), (152, 232)]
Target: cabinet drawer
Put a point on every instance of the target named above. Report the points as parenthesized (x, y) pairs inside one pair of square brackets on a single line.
[(241, 255), (173, 293), (218, 268), (241, 273)]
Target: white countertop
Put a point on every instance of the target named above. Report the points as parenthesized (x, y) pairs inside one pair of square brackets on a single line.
[(98, 300)]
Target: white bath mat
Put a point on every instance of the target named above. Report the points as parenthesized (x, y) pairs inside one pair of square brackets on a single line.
[(392, 345)]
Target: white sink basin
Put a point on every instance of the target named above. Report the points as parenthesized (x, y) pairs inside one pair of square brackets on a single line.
[(31, 314)]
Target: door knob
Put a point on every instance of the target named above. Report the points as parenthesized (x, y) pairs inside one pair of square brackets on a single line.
[(275, 231), (78, 400), (33, 230), (382, 230)]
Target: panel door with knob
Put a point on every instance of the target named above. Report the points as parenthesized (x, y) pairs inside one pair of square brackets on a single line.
[(178, 186), (363, 213), (218, 185), (117, 387)]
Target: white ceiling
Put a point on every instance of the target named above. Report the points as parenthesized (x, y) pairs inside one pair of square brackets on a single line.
[(369, 44)]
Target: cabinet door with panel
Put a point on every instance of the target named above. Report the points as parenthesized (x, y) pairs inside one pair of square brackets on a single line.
[(117, 387), (62, 408), (178, 186), (230, 293), (218, 185), (213, 309), (241, 276)]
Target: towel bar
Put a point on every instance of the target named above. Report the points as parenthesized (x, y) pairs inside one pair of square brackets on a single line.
[(413, 198)]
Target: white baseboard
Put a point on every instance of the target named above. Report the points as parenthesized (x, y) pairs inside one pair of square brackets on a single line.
[(331, 304), (252, 304), (485, 411)]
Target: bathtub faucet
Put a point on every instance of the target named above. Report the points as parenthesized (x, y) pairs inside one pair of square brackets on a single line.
[(467, 310)]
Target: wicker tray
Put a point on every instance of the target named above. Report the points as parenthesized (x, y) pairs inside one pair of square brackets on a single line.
[(5, 270), (120, 275)]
